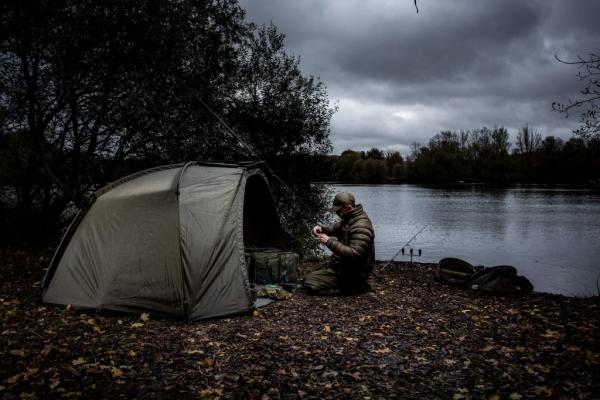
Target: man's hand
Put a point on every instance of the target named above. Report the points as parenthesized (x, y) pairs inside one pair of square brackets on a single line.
[(323, 238), (317, 230)]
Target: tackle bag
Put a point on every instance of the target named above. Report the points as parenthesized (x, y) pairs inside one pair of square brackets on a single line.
[(455, 272), (271, 266), (501, 279)]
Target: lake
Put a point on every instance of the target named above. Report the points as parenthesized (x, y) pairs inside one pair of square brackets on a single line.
[(551, 235)]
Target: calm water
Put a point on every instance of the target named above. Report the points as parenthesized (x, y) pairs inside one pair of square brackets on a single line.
[(552, 236)]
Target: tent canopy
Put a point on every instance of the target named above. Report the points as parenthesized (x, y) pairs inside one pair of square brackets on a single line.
[(168, 240)]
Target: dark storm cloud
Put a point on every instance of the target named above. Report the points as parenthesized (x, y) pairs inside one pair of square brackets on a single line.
[(400, 77)]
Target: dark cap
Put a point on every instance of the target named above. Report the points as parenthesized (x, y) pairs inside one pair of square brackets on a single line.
[(340, 200)]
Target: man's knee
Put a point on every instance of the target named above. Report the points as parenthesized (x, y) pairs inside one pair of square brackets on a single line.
[(322, 281)]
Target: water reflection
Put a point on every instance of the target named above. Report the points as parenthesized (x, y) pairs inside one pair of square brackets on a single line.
[(550, 235)]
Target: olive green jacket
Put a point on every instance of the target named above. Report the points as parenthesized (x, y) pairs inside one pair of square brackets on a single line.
[(355, 235)]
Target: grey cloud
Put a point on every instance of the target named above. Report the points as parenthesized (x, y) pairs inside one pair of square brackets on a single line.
[(455, 65)]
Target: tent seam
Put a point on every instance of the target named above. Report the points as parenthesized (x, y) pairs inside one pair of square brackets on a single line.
[(185, 298), (241, 246)]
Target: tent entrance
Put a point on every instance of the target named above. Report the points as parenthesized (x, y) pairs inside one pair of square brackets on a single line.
[(261, 224), (267, 257)]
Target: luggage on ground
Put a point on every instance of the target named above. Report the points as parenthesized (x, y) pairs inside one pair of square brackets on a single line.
[(501, 279), (270, 266)]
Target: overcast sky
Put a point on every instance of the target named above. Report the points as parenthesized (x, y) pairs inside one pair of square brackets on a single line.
[(400, 77)]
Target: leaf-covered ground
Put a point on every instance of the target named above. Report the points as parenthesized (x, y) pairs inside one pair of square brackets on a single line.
[(408, 338)]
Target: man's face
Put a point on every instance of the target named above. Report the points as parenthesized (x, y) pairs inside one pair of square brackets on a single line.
[(344, 210)]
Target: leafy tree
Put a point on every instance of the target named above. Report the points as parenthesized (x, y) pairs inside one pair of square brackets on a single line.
[(488, 153), (370, 170), (91, 91), (282, 111), (375, 154), (285, 118), (442, 161), (394, 165), (344, 164)]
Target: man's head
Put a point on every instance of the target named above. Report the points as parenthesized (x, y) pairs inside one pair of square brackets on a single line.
[(342, 203)]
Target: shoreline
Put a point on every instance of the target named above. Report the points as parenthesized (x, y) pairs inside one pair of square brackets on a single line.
[(432, 267)]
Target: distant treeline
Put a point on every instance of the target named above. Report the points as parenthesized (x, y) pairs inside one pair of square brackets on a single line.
[(480, 155)]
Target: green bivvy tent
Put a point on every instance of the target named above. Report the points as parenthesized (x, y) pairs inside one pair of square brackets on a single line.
[(168, 240)]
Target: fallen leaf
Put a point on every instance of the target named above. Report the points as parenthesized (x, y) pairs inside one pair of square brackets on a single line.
[(69, 395), (93, 371), (46, 350), (383, 350), (207, 362), (137, 325), (550, 334), (13, 379), (78, 361), (211, 392), (194, 352), (20, 353), (460, 394), (542, 390)]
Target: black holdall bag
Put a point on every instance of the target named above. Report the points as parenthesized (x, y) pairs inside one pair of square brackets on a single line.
[(501, 279), (454, 271)]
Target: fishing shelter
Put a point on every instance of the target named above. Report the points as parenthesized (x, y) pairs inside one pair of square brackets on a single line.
[(169, 241)]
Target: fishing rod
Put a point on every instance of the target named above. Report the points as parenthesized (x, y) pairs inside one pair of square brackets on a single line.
[(402, 248)]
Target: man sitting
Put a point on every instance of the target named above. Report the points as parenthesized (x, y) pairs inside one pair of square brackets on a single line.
[(353, 250)]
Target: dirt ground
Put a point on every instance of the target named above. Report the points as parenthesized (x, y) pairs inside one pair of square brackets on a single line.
[(408, 338)]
